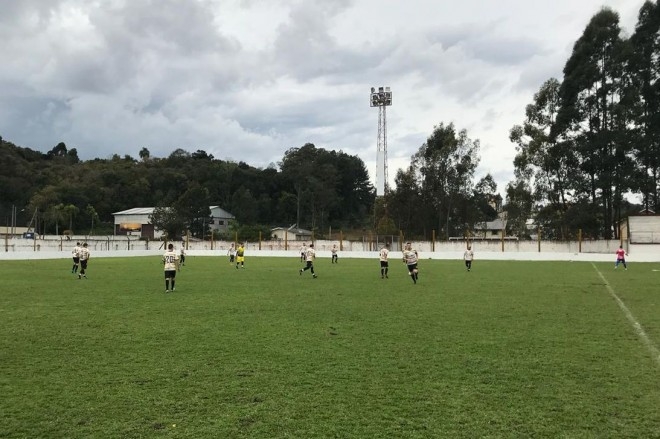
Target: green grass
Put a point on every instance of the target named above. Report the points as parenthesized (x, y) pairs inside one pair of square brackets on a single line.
[(511, 349)]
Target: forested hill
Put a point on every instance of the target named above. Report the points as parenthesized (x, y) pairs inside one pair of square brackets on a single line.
[(313, 186)]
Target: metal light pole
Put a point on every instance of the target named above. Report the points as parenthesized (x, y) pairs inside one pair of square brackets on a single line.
[(381, 99)]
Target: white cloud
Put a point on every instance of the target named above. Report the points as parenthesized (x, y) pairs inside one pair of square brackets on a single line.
[(249, 79)]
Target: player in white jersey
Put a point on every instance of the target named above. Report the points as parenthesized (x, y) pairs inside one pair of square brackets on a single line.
[(75, 254), (231, 253), (468, 257), (384, 263), (410, 257), (171, 266), (303, 252), (334, 254), (84, 256), (310, 255), (182, 258)]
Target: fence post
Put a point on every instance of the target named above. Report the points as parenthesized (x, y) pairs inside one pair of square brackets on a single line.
[(286, 240), (538, 237), (579, 240), (259, 239), (341, 240), (433, 242), (502, 240)]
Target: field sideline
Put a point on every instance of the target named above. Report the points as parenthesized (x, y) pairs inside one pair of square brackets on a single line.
[(511, 349)]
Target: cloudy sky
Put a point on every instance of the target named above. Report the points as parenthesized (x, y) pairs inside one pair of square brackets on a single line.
[(245, 80)]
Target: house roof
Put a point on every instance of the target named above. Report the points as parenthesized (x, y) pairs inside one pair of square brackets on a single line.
[(149, 210), (497, 224), (136, 211), (293, 229), (219, 212)]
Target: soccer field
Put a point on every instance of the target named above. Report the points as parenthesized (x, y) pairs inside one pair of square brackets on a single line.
[(510, 349)]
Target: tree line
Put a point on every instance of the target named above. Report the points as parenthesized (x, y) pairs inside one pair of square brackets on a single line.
[(592, 138), (312, 187)]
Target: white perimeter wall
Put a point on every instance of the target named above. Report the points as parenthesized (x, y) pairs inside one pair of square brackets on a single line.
[(110, 246)]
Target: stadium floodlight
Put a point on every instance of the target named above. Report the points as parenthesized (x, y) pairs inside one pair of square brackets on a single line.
[(381, 98)]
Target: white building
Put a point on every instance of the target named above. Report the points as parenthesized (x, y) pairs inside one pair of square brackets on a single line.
[(137, 221), (293, 233)]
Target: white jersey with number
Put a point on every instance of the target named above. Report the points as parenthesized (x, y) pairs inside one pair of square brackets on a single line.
[(469, 255), (83, 254), (410, 256), (310, 254), (170, 259), (384, 254)]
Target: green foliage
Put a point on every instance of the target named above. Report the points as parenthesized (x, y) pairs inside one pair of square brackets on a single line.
[(438, 191), (512, 349), (169, 221), (245, 232), (192, 208), (593, 113)]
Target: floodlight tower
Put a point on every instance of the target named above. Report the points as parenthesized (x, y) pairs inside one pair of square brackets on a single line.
[(381, 99)]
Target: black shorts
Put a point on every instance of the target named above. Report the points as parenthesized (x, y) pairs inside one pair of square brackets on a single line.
[(412, 267), (170, 274), (384, 264), (76, 260), (83, 264)]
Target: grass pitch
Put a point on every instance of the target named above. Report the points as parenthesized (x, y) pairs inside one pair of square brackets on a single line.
[(511, 349)]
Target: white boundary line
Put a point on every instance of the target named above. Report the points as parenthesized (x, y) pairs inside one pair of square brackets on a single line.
[(655, 352)]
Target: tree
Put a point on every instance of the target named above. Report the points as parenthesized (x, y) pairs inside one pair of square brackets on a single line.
[(592, 117), (144, 154), (297, 166), (545, 164), (193, 208), (484, 203), (447, 162), (244, 206), (644, 70), (70, 211), (55, 214), (93, 216), (169, 221), (519, 208), (405, 200)]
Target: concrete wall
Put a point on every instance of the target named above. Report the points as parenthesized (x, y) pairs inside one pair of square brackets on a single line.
[(54, 247)]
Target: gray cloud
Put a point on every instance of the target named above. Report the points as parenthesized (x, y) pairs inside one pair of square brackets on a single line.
[(114, 76)]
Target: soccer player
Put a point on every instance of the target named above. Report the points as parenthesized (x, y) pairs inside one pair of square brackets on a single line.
[(310, 255), (183, 254), (334, 253), (303, 252), (468, 256), (240, 256), (84, 258), (232, 254), (410, 257), (75, 253), (620, 258), (384, 263), (171, 266)]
